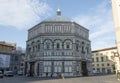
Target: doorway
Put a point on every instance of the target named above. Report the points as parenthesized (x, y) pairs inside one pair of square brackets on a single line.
[(84, 68), (31, 68)]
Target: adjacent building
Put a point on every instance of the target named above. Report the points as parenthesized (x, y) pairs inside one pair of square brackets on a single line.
[(103, 60), (116, 17), (6, 47), (6, 50), (10, 58), (58, 46)]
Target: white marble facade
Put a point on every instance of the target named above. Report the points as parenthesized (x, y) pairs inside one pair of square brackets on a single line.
[(58, 46)]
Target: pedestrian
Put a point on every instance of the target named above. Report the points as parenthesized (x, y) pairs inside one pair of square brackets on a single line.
[(118, 75), (51, 75)]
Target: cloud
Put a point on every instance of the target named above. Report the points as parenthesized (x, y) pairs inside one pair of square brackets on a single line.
[(100, 23), (22, 13)]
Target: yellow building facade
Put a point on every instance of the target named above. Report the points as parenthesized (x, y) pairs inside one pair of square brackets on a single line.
[(6, 47), (103, 60)]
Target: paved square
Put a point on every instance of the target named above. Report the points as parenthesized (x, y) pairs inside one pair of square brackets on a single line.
[(92, 79)]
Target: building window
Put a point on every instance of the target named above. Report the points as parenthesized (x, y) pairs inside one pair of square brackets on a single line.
[(97, 54), (82, 42), (33, 49), (87, 48), (48, 46), (102, 59), (93, 68), (98, 69), (92, 59), (58, 46), (16, 58), (38, 46), (57, 69), (103, 70), (68, 69), (112, 57), (106, 58), (97, 64), (97, 59), (108, 64), (102, 64), (67, 46), (47, 66), (77, 46), (82, 49), (21, 64)]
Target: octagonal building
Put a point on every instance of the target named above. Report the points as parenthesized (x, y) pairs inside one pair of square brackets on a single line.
[(58, 46)]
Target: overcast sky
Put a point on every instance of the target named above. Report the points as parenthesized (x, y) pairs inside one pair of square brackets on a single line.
[(17, 16)]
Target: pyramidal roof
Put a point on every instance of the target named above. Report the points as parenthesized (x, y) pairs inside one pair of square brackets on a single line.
[(58, 18)]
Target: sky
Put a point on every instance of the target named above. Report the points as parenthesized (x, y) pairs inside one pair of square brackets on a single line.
[(17, 16)]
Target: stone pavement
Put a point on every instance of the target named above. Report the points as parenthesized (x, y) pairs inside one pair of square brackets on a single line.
[(90, 79)]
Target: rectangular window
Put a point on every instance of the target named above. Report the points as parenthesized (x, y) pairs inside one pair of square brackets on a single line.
[(93, 68), (58, 45), (97, 64), (49, 69), (66, 69), (96, 54), (92, 59), (55, 69), (70, 69), (16, 58), (97, 59), (106, 58), (59, 69), (102, 64), (67, 46), (98, 69), (102, 59), (38, 46), (45, 69)]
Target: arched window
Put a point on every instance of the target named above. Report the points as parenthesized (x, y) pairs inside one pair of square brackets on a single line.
[(48, 44), (67, 44), (58, 46)]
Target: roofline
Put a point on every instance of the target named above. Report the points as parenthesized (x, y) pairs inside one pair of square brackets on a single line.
[(57, 22), (81, 26), (48, 22), (34, 26), (104, 49), (8, 44)]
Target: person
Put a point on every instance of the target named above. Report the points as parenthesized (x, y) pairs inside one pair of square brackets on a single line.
[(46, 74), (51, 75), (118, 75), (62, 76)]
